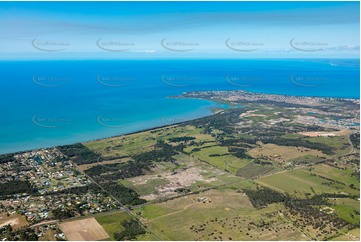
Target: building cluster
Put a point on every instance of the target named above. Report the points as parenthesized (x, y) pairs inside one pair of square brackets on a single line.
[(56, 189)]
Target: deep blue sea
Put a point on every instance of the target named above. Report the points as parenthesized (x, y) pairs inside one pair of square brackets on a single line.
[(48, 103)]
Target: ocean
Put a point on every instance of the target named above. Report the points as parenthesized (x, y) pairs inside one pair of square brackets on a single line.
[(49, 103)]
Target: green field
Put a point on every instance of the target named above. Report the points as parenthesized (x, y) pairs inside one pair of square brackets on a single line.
[(224, 161), (352, 235), (347, 209), (342, 175), (301, 181), (111, 221), (340, 144), (252, 170), (225, 215), (139, 142)]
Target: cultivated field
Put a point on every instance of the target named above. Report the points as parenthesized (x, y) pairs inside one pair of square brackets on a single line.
[(252, 170), (84, 230)]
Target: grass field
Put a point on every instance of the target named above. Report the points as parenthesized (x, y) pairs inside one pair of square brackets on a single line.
[(252, 170), (301, 181), (340, 144), (222, 161), (141, 142), (217, 215), (347, 209), (331, 172), (282, 153), (352, 235), (111, 221)]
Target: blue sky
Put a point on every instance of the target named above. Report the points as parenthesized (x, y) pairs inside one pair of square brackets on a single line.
[(127, 30)]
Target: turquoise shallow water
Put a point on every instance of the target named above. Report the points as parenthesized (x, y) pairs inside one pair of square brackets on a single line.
[(47, 103)]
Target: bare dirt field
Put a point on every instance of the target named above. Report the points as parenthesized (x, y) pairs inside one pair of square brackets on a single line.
[(16, 221), (180, 179), (84, 230)]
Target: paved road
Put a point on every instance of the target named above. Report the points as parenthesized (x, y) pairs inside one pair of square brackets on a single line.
[(123, 207), (45, 222)]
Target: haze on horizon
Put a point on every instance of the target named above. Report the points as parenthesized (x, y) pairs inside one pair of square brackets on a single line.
[(141, 30)]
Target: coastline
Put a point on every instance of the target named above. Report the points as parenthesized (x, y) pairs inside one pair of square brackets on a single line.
[(184, 96), (115, 136)]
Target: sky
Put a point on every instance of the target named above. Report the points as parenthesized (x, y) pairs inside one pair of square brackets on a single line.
[(131, 30)]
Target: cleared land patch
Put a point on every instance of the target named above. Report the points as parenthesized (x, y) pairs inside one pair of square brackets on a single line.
[(84, 230), (282, 153), (16, 220)]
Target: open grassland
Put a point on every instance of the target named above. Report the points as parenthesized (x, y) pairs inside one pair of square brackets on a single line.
[(219, 157), (302, 181), (340, 144), (122, 145), (342, 175), (131, 144), (282, 153), (352, 235), (217, 215), (112, 223), (103, 162), (347, 209)]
